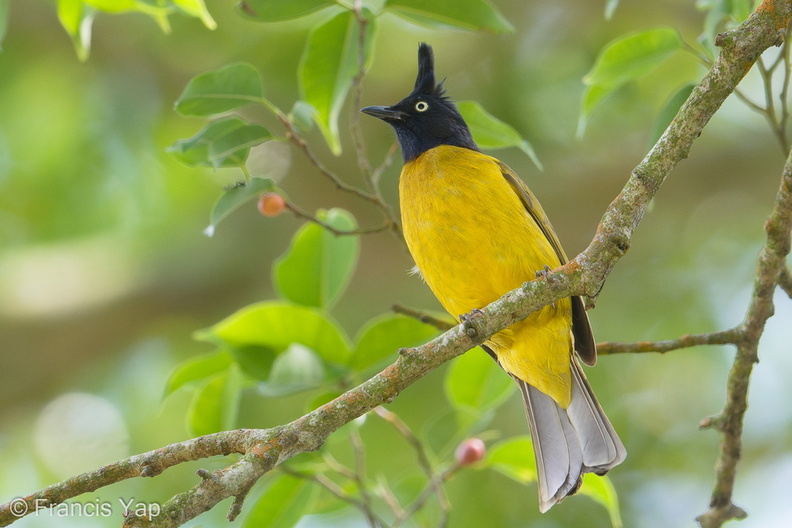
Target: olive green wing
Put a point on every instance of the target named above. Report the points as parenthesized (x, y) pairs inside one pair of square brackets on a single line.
[(585, 346)]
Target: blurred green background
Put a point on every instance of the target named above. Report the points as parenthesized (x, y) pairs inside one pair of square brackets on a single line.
[(105, 272)]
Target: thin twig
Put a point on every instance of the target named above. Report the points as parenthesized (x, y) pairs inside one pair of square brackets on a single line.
[(759, 109), (301, 213), (357, 97), (360, 477), (770, 108), (372, 177), (725, 337), (375, 198), (702, 58), (334, 489), (767, 84), (783, 96), (299, 142), (440, 324), (435, 481), (387, 495), (393, 419), (338, 467), (376, 176)]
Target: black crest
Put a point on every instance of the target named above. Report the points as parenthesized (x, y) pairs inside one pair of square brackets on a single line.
[(425, 81)]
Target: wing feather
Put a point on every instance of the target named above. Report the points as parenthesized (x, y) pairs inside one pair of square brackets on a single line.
[(585, 346)]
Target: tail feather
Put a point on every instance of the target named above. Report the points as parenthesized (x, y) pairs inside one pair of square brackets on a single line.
[(557, 465), (601, 446), (569, 442)]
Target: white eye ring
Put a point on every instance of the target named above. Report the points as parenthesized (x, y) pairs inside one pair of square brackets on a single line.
[(422, 106)]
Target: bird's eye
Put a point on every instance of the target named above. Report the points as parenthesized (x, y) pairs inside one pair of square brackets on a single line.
[(422, 106)]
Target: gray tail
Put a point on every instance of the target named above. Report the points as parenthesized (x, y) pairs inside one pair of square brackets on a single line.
[(569, 442)]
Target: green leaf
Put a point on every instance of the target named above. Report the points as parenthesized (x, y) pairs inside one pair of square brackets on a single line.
[(514, 458), (303, 116), (490, 132), (722, 14), (464, 14), (717, 12), (626, 59), (602, 491), (234, 146), (282, 505), (669, 111), (225, 142), (194, 151), (235, 197), (277, 10), (111, 6), (632, 56), (77, 19), (327, 67), (382, 336), (475, 381), (221, 90), (255, 361), (278, 325), (197, 368), (296, 369), (318, 265), (741, 10), (70, 15), (197, 9), (591, 98), (214, 406)]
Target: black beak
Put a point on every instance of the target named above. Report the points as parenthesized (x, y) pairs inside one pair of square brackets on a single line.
[(386, 113)]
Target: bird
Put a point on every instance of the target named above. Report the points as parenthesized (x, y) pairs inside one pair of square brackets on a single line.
[(476, 232)]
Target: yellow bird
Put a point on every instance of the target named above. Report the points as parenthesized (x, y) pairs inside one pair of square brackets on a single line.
[(476, 231)]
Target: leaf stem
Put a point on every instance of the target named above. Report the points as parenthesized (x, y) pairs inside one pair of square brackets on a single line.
[(301, 213)]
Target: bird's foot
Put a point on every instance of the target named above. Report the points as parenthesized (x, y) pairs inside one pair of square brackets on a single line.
[(468, 321), (542, 273)]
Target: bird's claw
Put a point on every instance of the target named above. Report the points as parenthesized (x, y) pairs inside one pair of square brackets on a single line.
[(542, 273), (468, 323)]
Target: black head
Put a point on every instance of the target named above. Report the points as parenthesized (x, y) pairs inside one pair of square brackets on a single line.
[(426, 118)]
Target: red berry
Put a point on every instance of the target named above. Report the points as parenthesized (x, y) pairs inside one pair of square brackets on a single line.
[(271, 204), (470, 451)]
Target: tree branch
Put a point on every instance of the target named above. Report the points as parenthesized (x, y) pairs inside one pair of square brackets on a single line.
[(770, 265), (144, 465), (741, 47), (725, 337), (584, 275)]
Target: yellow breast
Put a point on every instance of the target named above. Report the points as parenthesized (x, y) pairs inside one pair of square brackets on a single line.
[(473, 240)]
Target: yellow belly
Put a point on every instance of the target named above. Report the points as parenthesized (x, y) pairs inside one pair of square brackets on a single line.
[(473, 241)]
